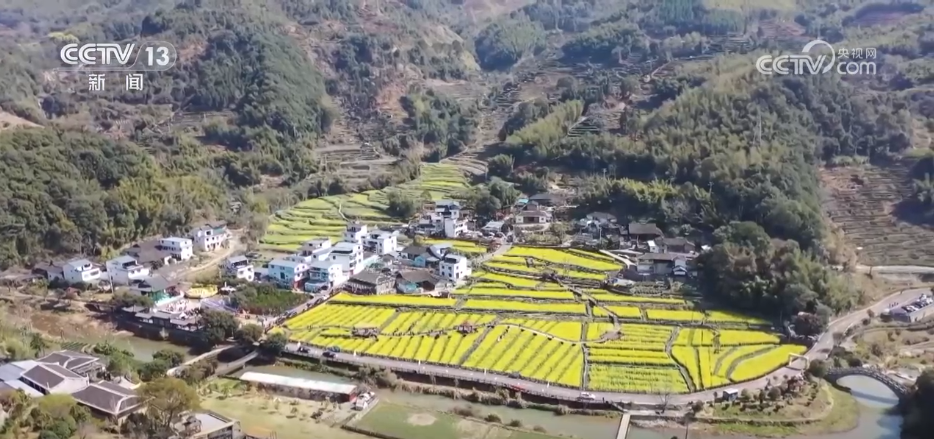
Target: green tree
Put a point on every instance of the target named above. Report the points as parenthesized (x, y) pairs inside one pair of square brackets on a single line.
[(501, 165), (504, 42), (919, 406), (153, 370), (401, 205), (37, 343), (172, 358), (274, 344), (166, 399), (249, 334), (223, 324)]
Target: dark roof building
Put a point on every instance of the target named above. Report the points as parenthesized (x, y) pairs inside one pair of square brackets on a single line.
[(76, 362), (108, 399), (643, 231), (676, 245), (369, 282), (149, 252), (546, 199), (413, 251), (52, 378)]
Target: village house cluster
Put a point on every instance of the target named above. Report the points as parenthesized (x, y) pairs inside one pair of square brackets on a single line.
[(139, 265), (366, 261)]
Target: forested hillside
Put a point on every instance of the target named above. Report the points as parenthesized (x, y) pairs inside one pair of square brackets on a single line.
[(71, 192), (650, 109)]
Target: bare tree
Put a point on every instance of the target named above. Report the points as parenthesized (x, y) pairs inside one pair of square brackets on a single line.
[(664, 392)]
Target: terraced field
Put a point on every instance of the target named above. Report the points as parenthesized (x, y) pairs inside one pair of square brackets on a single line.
[(551, 336), (327, 216), (572, 264)]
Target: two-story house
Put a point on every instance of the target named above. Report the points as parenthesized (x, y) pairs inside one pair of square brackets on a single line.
[(181, 249), (448, 209), (381, 242), (124, 270), (327, 274), (349, 255), (80, 271), (239, 267), (533, 217), (454, 267), (287, 273), (355, 232), (157, 288), (318, 249), (642, 232), (675, 245), (210, 236), (661, 263), (454, 227)]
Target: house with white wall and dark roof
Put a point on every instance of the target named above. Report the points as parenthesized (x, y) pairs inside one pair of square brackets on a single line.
[(108, 400)]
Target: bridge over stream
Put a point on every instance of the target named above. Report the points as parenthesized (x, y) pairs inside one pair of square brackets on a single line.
[(899, 388)]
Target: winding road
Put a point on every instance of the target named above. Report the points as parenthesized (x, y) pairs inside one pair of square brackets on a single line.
[(820, 350)]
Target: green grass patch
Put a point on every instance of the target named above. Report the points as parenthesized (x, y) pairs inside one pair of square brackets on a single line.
[(409, 423), (844, 416)]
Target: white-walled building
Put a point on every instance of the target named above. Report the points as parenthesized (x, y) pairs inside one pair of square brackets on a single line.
[(533, 217), (210, 236), (454, 227), (349, 255), (355, 232), (239, 267), (181, 249), (80, 271), (123, 270), (317, 249), (330, 273), (287, 273), (454, 267), (382, 242)]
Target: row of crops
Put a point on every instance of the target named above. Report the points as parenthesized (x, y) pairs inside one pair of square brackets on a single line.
[(324, 217), (709, 368), (559, 349)]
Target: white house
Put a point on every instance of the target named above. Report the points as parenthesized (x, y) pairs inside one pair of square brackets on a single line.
[(355, 232), (181, 249), (123, 270), (454, 267), (80, 270), (454, 227), (382, 242), (533, 217), (448, 209), (318, 249), (239, 267), (328, 273), (349, 255), (287, 273), (210, 236)]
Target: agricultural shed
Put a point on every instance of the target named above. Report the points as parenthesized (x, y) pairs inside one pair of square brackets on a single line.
[(300, 386)]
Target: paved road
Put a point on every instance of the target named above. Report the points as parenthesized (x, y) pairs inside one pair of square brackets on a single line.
[(819, 350), (185, 270), (895, 269)]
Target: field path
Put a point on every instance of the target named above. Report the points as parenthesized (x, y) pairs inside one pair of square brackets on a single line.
[(819, 351)]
